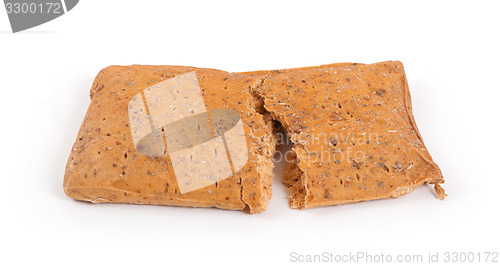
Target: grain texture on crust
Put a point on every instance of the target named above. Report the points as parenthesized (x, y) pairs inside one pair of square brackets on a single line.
[(104, 166), (354, 135)]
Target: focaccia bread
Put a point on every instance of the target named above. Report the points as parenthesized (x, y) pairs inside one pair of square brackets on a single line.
[(184, 136), (354, 135)]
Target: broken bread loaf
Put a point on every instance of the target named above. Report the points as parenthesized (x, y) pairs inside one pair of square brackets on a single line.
[(184, 136), (353, 131)]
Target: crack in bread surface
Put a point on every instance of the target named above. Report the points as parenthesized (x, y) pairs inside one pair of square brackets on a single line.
[(372, 178)]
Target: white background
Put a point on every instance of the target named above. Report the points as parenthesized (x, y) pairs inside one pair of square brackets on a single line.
[(450, 52)]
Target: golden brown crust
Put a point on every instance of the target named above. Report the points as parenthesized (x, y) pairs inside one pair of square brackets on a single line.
[(340, 102), (353, 131), (105, 167)]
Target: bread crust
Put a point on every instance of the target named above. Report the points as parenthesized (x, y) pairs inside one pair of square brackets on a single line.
[(339, 101), (104, 166), (354, 134)]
